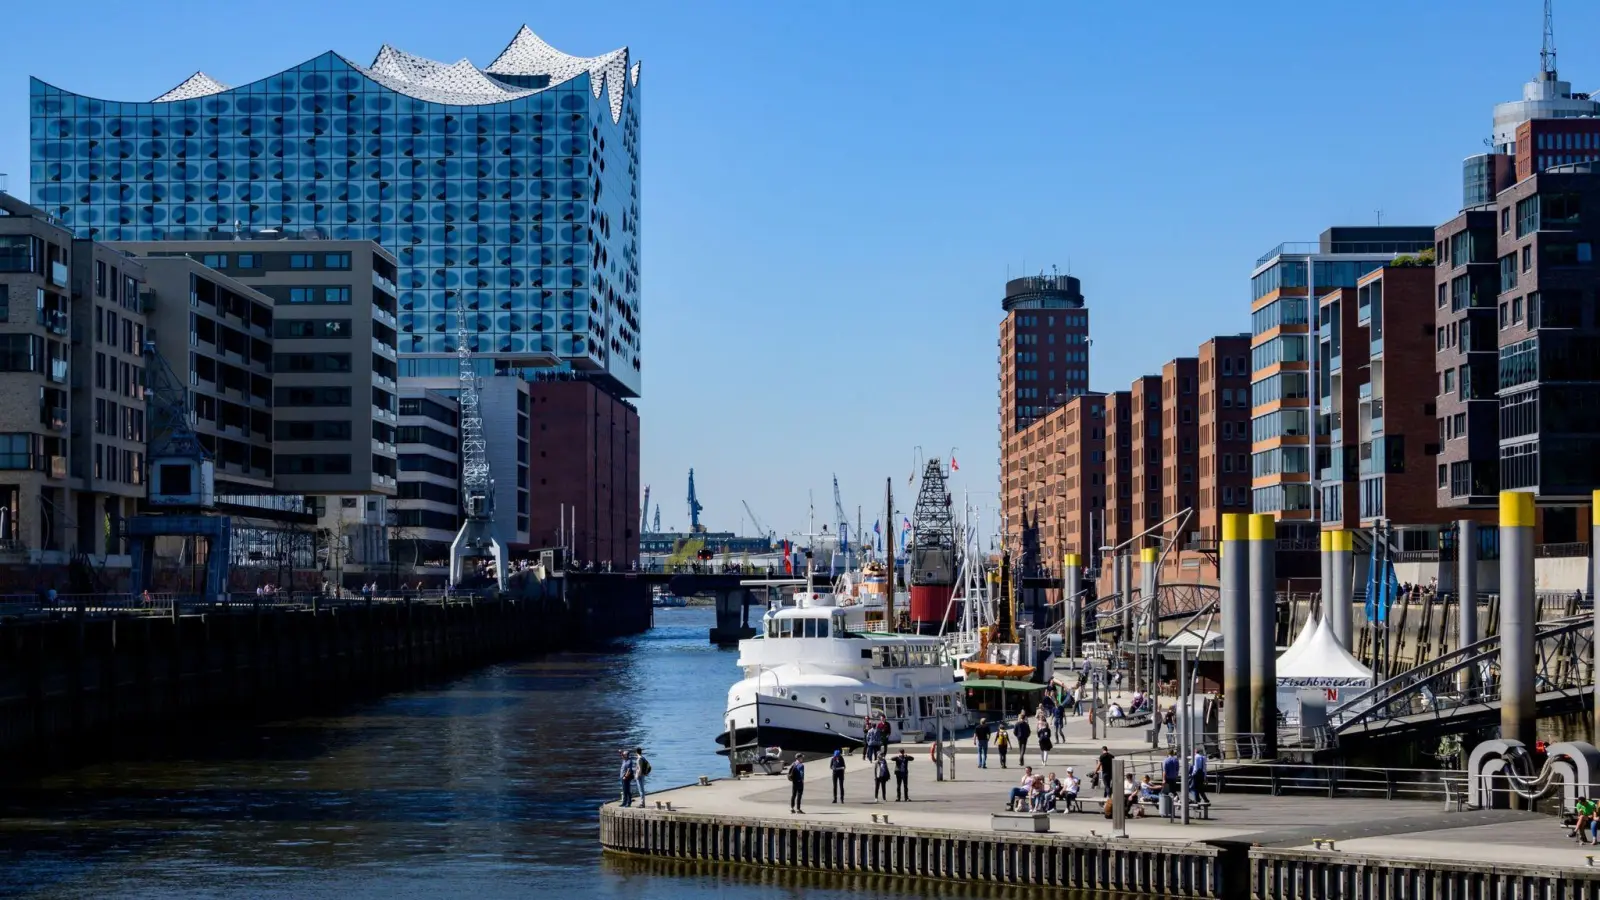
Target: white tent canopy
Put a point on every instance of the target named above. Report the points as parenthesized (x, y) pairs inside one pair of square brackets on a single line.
[(1299, 645), (1322, 659), (1321, 677)]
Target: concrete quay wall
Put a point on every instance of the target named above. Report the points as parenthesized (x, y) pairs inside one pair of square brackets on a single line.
[(1295, 874), (1090, 864), (69, 680), (1223, 870)]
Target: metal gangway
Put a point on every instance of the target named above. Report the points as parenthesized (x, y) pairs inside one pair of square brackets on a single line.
[(1460, 691)]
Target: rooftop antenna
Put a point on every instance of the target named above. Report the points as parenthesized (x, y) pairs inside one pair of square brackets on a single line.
[(1380, 217), (1547, 54)]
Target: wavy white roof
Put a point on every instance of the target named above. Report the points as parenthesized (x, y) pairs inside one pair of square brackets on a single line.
[(528, 54), (197, 85), (460, 83), (464, 84)]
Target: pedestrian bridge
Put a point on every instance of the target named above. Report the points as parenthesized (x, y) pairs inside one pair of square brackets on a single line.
[(1460, 691)]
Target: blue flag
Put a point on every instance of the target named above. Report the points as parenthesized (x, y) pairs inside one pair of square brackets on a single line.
[(1391, 591), (1372, 582)]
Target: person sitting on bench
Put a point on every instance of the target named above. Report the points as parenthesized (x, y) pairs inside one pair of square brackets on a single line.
[(1069, 788), (1116, 712), (1045, 800), (1020, 792)]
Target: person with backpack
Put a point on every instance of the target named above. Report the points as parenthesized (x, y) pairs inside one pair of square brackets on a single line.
[(902, 772), (642, 769), (880, 779), (627, 774), (980, 736), (836, 766), (1002, 743), (874, 742), (1045, 743), (1021, 731), (797, 783)]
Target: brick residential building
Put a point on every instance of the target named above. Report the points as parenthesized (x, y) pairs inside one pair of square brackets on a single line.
[(1043, 363), (1223, 459), (584, 447), (1119, 469)]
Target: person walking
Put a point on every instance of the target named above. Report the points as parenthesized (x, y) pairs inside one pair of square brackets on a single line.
[(880, 779), (980, 737), (1102, 771), (1002, 743), (1197, 777), (1171, 779), (1045, 743), (797, 783), (902, 772), (1059, 717), (627, 773), (1021, 731), (641, 769), (836, 766), (936, 754)]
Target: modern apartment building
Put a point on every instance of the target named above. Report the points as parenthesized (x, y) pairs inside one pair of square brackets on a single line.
[(1341, 360), (598, 484), (1377, 346), (1223, 436), (50, 405), (216, 333), (335, 364), (1289, 438), (1043, 363), (426, 512), (1549, 339), (1063, 464), (1467, 344)]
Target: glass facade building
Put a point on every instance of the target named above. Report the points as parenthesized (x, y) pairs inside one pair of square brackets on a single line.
[(510, 190)]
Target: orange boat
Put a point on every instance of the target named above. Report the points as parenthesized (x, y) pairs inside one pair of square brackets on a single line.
[(995, 670)]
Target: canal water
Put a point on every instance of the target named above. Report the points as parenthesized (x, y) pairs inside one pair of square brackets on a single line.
[(482, 787)]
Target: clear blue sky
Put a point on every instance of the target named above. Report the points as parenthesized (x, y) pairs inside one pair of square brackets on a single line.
[(834, 192)]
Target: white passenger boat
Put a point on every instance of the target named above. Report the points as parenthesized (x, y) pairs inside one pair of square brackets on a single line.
[(814, 676)]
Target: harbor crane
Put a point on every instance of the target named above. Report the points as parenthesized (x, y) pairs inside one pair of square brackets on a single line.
[(760, 529), (479, 534), (181, 484), (840, 517), (644, 511), (694, 508), (657, 528)]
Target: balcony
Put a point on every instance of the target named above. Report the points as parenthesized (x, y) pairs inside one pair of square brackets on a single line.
[(1365, 391), (53, 320), (384, 284), (383, 415), (384, 350), (387, 318), (58, 371), (58, 274)]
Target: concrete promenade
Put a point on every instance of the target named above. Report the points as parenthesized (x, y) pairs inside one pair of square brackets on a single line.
[(1253, 845)]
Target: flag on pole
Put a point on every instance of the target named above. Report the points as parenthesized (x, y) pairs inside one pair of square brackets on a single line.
[(953, 466), (875, 528)]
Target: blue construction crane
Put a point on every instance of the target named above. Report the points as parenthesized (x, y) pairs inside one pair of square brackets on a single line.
[(839, 516), (694, 508)]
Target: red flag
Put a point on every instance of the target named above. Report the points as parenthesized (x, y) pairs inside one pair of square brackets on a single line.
[(953, 466)]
